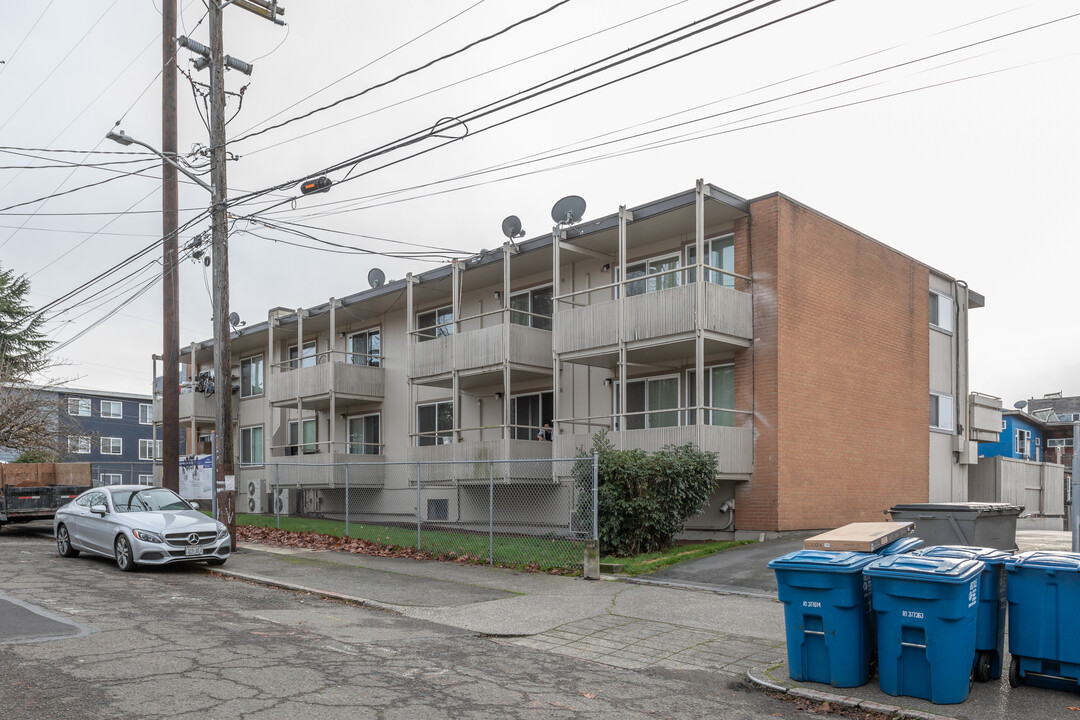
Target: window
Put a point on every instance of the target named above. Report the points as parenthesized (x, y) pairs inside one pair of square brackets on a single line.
[(1023, 443), (251, 376), (79, 406), (1038, 441), (532, 308), (941, 312), (112, 446), (719, 253), (655, 273), (146, 414), (149, 449), (307, 359), (719, 393), (251, 445), (112, 409), (309, 439), (111, 479), (364, 435), (435, 423), (146, 479), (529, 414), (1059, 442), (435, 323), (650, 403), (941, 412), (365, 348), (79, 444)]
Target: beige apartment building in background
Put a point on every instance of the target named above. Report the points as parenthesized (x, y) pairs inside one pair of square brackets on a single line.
[(826, 371)]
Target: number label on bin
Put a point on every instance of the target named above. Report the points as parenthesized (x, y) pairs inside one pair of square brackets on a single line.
[(973, 593), (811, 603), (913, 614)]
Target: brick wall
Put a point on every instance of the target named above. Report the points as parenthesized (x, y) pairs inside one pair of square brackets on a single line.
[(837, 374)]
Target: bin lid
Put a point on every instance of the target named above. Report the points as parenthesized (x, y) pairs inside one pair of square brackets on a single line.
[(1045, 560), (823, 561), (902, 545), (981, 508), (922, 567), (990, 556)]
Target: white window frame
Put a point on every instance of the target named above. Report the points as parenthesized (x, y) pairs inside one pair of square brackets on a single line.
[(149, 449), (112, 446), (245, 389), (369, 359), (713, 276), (111, 404), (531, 432), (247, 445), (294, 429), (146, 479), (79, 407), (691, 386), (443, 329), (79, 444), (944, 311), (303, 359), (146, 414), (366, 444), (1022, 442), (110, 479), (440, 439), (531, 320), (649, 279), (647, 412), (943, 398)]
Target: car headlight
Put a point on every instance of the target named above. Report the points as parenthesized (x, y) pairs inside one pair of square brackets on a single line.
[(222, 532), (147, 536)]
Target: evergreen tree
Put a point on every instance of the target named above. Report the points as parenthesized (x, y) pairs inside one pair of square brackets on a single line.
[(23, 347)]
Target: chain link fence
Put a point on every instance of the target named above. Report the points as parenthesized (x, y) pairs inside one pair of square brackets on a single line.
[(527, 513), (108, 472)]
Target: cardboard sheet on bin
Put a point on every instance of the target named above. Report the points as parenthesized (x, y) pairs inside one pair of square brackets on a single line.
[(860, 537)]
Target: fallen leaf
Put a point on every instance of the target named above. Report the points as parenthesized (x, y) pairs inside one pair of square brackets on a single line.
[(591, 696)]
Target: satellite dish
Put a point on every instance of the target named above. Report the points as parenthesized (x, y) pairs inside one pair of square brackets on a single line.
[(234, 319), (1020, 404), (376, 278), (511, 227), (568, 210)]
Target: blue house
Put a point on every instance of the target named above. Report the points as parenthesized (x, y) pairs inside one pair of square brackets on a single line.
[(1022, 437), (114, 432)]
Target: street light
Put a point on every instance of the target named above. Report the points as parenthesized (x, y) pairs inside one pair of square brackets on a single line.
[(124, 139)]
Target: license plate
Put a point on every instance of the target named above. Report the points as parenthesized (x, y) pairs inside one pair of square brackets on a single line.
[(193, 551)]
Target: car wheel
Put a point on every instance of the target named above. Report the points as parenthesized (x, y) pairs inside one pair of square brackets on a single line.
[(63, 543), (125, 558), (216, 561)]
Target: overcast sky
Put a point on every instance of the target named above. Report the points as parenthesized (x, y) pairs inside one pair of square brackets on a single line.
[(963, 155)]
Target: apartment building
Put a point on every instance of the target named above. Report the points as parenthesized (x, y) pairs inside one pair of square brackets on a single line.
[(827, 371)]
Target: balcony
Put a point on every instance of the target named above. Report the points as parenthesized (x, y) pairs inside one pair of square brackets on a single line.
[(661, 316), (327, 467), (331, 376), (193, 406), (733, 446), (480, 350)]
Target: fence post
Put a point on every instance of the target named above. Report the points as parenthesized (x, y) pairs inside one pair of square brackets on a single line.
[(276, 493), (491, 512), (213, 474), (418, 507), (346, 500), (595, 496)]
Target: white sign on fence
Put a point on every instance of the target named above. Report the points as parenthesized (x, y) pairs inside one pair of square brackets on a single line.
[(196, 478)]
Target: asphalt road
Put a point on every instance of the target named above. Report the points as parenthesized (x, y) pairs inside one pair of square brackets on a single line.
[(740, 569), (180, 643)]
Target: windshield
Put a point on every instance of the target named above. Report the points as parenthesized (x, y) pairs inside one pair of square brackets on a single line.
[(148, 500)]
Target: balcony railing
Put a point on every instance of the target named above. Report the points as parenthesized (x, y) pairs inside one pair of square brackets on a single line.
[(346, 376), (202, 408), (467, 349)]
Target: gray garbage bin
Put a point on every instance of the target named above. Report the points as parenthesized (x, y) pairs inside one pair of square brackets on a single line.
[(988, 525)]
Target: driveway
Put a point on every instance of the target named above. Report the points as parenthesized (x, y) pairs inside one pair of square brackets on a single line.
[(741, 569)]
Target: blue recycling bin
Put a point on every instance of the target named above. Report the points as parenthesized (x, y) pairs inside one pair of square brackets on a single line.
[(827, 615), (926, 618), (993, 602), (1044, 622), (898, 547)]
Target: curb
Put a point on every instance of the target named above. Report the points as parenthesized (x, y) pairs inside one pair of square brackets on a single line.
[(758, 677), (303, 588), (682, 585)]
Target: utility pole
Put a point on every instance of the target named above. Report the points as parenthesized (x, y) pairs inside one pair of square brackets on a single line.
[(225, 493), (170, 286)]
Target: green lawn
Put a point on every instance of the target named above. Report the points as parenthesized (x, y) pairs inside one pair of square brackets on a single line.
[(651, 562)]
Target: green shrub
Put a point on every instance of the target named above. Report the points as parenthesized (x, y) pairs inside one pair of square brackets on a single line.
[(645, 499)]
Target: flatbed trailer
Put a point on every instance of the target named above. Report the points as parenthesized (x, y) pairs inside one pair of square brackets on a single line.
[(24, 504)]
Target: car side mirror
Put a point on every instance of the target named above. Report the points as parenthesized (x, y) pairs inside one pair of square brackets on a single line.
[(99, 510), (194, 505)]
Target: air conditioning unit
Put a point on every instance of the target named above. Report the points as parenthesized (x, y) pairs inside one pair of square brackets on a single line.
[(283, 502), (256, 496)]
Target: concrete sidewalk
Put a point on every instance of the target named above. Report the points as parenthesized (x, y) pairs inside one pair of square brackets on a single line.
[(656, 626)]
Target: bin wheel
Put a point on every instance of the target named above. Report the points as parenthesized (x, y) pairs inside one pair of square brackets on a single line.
[(1014, 674), (982, 666)]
